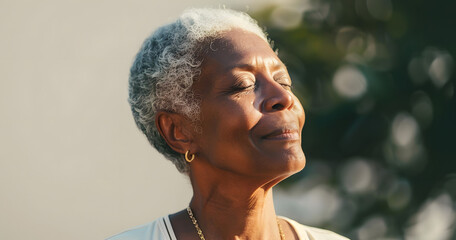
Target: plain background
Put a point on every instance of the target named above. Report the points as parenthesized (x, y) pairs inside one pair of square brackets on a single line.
[(73, 165)]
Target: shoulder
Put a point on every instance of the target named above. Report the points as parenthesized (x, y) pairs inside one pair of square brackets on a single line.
[(156, 230), (311, 233)]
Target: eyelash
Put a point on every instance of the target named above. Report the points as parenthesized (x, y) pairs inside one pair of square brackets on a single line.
[(288, 86), (241, 84), (237, 88)]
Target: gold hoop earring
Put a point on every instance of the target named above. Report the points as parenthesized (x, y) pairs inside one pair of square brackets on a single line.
[(186, 156)]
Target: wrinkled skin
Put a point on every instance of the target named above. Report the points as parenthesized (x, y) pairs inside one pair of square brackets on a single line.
[(250, 140)]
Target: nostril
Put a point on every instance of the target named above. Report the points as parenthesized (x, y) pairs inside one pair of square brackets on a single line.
[(277, 106), (277, 100)]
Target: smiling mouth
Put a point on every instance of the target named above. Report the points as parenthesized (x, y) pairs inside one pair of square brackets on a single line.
[(283, 134)]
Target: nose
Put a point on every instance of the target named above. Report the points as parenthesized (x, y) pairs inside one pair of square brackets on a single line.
[(277, 98)]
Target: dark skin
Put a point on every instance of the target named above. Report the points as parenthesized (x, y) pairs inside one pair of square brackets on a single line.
[(250, 140)]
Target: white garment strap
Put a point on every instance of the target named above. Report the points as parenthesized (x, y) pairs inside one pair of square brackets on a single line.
[(168, 228)]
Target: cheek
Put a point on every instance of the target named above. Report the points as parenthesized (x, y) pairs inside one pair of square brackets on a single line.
[(299, 110), (226, 129), (230, 118)]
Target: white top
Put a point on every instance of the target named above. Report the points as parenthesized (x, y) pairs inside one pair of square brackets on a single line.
[(161, 229)]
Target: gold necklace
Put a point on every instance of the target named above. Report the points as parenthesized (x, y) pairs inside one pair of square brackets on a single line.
[(282, 235), (195, 223), (200, 232)]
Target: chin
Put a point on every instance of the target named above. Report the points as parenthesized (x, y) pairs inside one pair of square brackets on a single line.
[(288, 164), (296, 163), (287, 168)]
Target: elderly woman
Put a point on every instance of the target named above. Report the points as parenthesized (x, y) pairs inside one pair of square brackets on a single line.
[(213, 97)]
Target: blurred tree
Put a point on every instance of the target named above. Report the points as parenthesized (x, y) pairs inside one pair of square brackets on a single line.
[(376, 78)]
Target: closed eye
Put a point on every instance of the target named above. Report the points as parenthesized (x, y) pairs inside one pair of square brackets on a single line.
[(242, 87), (284, 81), (244, 82), (286, 86)]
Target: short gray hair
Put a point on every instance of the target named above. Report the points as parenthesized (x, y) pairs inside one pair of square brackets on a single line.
[(168, 63)]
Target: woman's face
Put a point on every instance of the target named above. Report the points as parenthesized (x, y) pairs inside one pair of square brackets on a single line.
[(251, 121)]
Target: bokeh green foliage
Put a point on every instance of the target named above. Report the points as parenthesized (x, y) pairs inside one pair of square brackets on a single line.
[(377, 81)]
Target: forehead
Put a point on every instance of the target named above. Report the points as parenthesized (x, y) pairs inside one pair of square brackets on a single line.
[(234, 50), (238, 49)]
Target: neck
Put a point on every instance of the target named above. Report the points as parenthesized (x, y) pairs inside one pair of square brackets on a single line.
[(226, 205)]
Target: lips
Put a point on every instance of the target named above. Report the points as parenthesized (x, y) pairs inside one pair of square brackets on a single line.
[(283, 134)]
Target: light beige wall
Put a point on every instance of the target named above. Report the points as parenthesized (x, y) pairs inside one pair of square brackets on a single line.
[(72, 163)]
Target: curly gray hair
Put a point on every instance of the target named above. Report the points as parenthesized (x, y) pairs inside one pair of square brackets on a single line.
[(169, 62)]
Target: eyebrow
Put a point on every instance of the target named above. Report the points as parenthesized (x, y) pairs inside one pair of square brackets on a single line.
[(250, 67)]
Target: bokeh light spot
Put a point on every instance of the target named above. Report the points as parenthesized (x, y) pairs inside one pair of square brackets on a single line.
[(314, 206), (441, 68), (435, 220), (404, 130), (358, 176), (350, 39), (286, 17), (374, 228), (349, 82)]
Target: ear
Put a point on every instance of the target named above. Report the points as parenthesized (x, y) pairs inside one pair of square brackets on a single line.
[(173, 128)]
